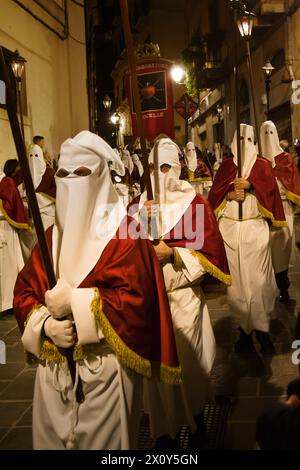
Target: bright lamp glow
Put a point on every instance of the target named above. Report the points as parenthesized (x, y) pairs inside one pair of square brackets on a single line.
[(106, 102), (18, 65), (177, 73), (115, 119), (268, 69), (245, 24)]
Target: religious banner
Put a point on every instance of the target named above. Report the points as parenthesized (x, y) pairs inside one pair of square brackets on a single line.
[(156, 95), (186, 106)]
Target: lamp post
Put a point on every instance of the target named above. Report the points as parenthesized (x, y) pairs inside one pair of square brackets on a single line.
[(116, 119), (18, 66), (245, 24), (268, 70)]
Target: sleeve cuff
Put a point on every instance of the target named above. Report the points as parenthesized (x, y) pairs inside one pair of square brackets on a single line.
[(188, 264), (82, 305), (32, 336)]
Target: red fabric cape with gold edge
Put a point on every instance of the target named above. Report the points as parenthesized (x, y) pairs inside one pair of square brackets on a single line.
[(212, 254), (133, 310), (263, 182), (11, 204), (287, 173)]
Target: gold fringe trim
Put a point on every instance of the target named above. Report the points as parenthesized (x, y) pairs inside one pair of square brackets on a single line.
[(52, 199), (18, 225), (170, 375), (192, 179), (269, 215), (32, 311), (178, 263), (220, 207), (127, 356), (212, 269), (294, 198), (50, 352)]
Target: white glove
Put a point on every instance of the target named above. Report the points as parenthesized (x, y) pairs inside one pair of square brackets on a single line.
[(58, 299), (61, 332)]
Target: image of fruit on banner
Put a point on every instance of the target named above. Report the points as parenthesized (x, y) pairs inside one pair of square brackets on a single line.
[(152, 87)]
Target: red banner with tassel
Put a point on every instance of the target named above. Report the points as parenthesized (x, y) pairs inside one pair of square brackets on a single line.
[(156, 93)]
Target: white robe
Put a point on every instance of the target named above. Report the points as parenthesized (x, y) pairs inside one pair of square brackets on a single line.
[(11, 263), (283, 241), (108, 419), (251, 297), (171, 407)]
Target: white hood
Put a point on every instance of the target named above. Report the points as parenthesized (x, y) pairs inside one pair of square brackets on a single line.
[(173, 195), (37, 164), (270, 141), (191, 156), (248, 149), (88, 209)]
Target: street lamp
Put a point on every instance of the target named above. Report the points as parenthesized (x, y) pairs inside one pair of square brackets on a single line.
[(18, 66), (178, 74), (116, 119), (107, 103), (219, 111), (245, 24), (268, 70)]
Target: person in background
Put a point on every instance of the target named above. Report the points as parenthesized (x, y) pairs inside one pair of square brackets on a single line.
[(13, 221), (190, 249), (288, 180), (252, 295), (40, 141)]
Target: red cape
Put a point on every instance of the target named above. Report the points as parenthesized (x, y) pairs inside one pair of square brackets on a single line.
[(133, 311), (287, 173), (11, 204), (47, 186), (202, 172), (263, 182), (212, 253)]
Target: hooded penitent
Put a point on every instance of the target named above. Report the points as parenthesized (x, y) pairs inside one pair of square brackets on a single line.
[(248, 149), (270, 141), (88, 209), (257, 171), (283, 164), (191, 156), (127, 161), (37, 164), (172, 194)]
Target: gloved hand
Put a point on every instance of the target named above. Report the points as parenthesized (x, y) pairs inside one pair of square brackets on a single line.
[(58, 299), (61, 332)]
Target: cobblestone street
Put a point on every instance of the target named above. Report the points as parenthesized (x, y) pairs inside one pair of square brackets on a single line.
[(251, 381)]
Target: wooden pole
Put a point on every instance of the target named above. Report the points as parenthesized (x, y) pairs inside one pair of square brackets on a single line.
[(30, 192), (238, 122), (136, 95), (250, 68)]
